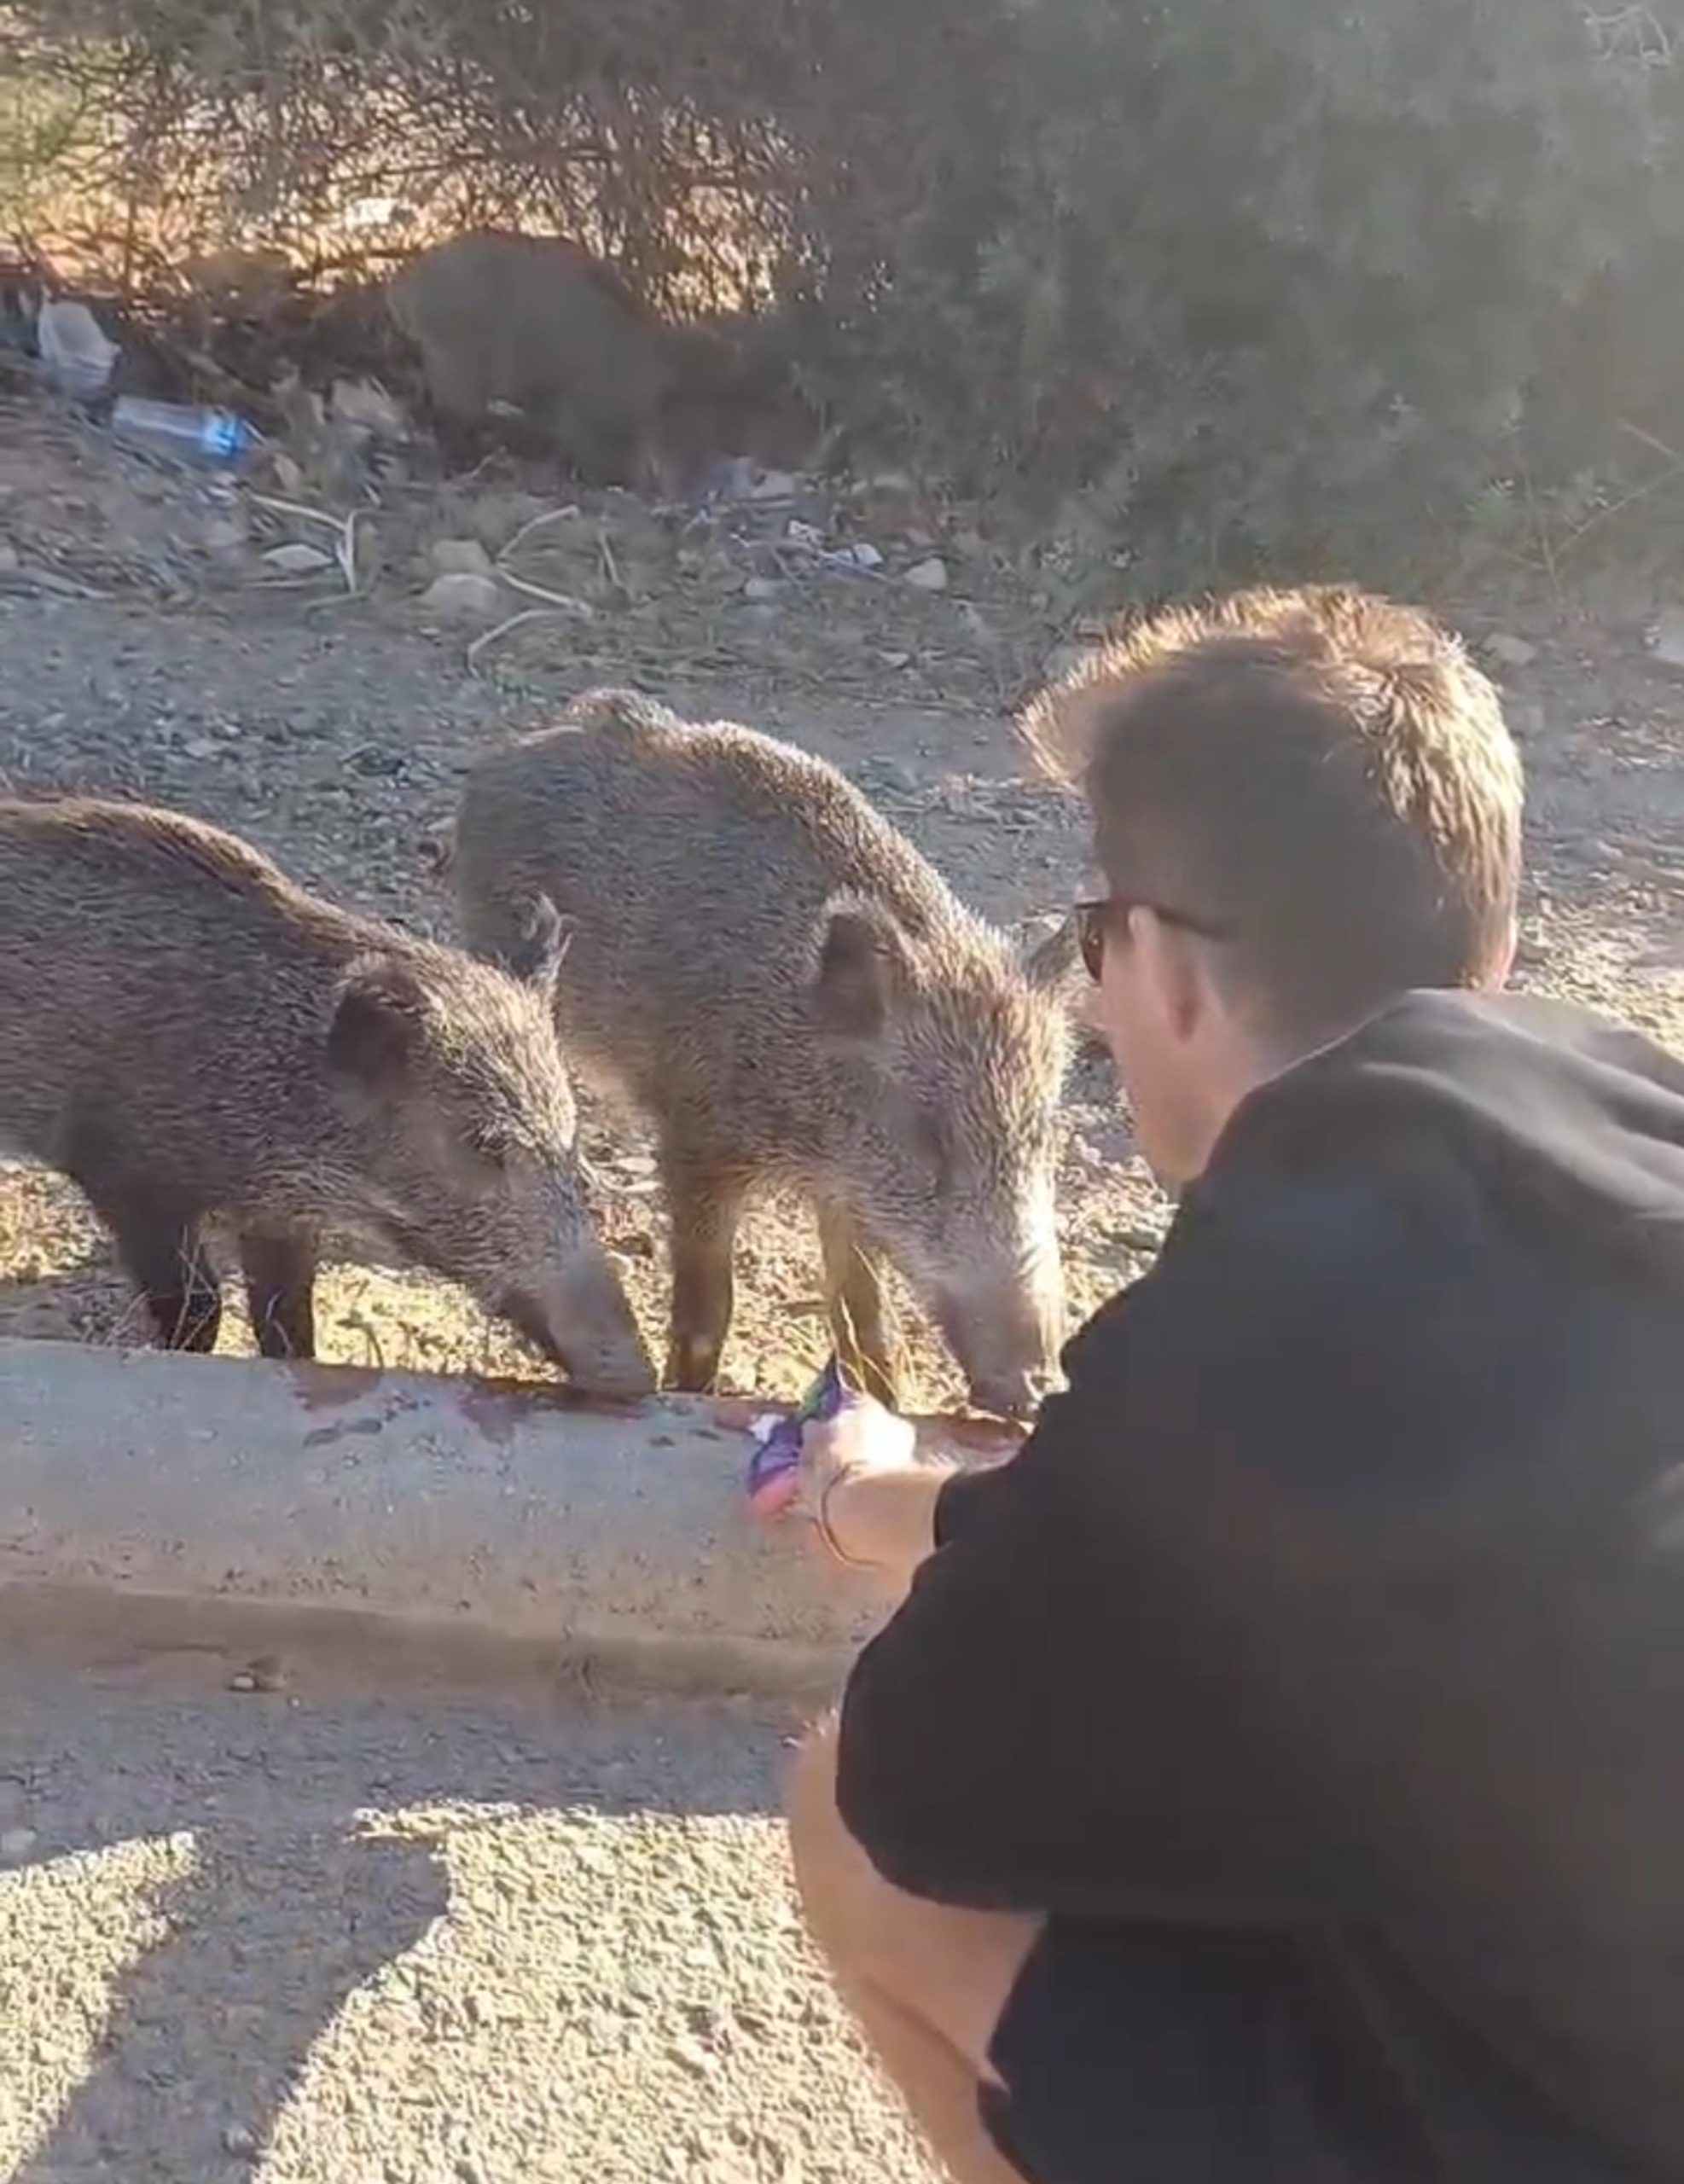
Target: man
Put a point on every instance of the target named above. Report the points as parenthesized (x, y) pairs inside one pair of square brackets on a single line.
[(1276, 1769)]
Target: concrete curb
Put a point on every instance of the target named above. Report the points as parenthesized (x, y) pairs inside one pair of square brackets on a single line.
[(230, 1497)]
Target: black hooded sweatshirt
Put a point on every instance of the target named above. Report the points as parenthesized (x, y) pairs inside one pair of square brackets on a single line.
[(1342, 1593)]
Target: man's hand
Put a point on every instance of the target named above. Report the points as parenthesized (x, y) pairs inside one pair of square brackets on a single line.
[(873, 1501), (862, 1436)]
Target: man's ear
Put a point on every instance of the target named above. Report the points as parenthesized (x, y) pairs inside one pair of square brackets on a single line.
[(863, 968), (1503, 964), (1172, 964)]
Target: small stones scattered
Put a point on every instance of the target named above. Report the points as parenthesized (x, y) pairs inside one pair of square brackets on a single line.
[(264, 1674)]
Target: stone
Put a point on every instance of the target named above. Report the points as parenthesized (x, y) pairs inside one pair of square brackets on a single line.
[(1510, 651), (296, 558), (225, 535), (460, 557), (1666, 637), (463, 596), (930, 575)]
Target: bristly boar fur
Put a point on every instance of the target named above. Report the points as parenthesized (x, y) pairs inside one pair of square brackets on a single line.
[(535, 324), (794, 996), (186, 1033)]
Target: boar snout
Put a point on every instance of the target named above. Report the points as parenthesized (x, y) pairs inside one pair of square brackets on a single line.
[(1014, 1396), (1007, 1340), (580, 1320)]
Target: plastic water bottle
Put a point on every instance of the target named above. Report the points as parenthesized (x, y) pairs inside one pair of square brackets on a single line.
[(213, 436), (77, 356)]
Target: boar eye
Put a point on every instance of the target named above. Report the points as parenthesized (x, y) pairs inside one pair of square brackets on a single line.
[(492, 1145)]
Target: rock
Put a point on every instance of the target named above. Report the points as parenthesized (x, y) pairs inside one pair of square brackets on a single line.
[(761, 591), (460, 557), (1510, 651), (463, 596), (771, 485), (202, 747), (8, 554), (889, 778), (266, 1673), (225, 536), (861, 555), (237, 2140), (1666, 637), (17, 1843), (690, 2053), (296, 558), (929, 575)]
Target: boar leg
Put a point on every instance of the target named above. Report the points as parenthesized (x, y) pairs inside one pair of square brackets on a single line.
[(161, 1247), (705, 1218), (861, 1318), (280, 1284)]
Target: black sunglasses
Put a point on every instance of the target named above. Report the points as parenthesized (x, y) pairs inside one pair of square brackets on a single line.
[(1095, 917)]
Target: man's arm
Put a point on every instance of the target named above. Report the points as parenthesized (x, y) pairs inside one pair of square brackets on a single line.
[(880, 1507), (1107, 1693)]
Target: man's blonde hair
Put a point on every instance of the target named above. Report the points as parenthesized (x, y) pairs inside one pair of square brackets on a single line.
[(1325, 771)]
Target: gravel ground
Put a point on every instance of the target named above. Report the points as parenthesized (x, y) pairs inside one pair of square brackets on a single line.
[(320, 1939)]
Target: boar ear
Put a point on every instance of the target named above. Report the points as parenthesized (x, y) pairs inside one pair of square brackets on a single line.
[(862, 968), (378, 1021), (543, 936)]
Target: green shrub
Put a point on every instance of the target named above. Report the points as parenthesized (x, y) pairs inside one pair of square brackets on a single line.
[(1205, 284)]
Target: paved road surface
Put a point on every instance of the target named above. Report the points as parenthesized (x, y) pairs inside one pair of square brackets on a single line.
[(319, 1938)]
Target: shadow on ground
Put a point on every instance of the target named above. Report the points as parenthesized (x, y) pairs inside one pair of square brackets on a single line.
[(249, 1920), (207, 2034)]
